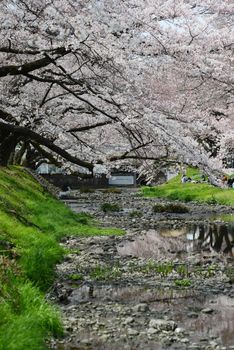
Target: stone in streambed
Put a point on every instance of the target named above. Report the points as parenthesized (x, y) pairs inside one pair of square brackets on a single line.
[(162, 325)]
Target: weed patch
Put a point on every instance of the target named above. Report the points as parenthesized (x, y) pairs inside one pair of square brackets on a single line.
[(109, 207), (135, 214), (76, 277), (105, 273), (183, 283)]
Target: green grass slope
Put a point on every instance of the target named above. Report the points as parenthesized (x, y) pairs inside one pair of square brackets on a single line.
[(200, 192), (31, 225)]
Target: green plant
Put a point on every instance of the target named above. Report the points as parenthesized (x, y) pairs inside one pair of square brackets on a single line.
[(108, 207), (150, 266), (211, 270), (135, 214), (164, 269), (105, 273), (229, 271), (212, 200), (25, 317), (183, 283), (76, 277), (182, 270), (72, 251)]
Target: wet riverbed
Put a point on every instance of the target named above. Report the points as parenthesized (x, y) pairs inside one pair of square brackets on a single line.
[(166, 284)]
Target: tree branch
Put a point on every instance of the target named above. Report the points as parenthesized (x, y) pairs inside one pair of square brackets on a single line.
[(30, 66), (89, 127), (29, 134)]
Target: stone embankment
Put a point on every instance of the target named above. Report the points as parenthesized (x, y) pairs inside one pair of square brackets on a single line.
[(148, 289)]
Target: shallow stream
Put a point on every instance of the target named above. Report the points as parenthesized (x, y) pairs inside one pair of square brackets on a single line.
[(167, 267)]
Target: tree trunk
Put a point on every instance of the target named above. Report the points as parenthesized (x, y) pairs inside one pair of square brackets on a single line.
[(8, 141)]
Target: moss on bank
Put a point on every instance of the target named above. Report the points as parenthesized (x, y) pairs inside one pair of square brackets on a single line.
[(31, 225), (200, 192)]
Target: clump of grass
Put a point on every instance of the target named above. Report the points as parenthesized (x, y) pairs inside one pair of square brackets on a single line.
[(25, 317), (163, 269), (76, 277), (212, 200), (105, 273), (182, 270), (72, 251), (229, 271), (135, 214), (110, 207), (183, 283), (170, 208)]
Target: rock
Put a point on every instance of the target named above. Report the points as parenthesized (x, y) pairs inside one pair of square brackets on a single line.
[(184, 340), (192, 314), (104, 337), (194, 346), (152, 331), (207, 311), (86, 341), (162, 325), (140, 308), (179, 330), (132, 331), (128, 320)]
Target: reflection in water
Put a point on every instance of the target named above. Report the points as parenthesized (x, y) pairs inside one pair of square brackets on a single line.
[(217, 324), (219, 237), (193, 237), (180, 303)]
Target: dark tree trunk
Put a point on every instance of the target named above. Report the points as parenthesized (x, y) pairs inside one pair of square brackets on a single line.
[(8, 141)]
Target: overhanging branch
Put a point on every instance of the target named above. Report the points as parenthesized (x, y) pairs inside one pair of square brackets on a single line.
[(31, 135)]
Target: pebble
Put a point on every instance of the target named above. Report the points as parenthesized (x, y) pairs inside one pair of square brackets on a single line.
[(140, 308), (132, 331), (179, 330), (152, 331), (162, 325), (128, 320), (184, 340), (207, 311)]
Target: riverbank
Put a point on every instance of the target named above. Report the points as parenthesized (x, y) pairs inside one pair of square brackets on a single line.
[(32, 223), (198, 191), (166, 284)]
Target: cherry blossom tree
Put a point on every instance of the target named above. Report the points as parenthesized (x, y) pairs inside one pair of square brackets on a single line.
[(117, 82)]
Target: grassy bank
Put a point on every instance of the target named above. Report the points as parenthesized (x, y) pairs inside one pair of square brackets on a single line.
[(200, 192), (31, 226)]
